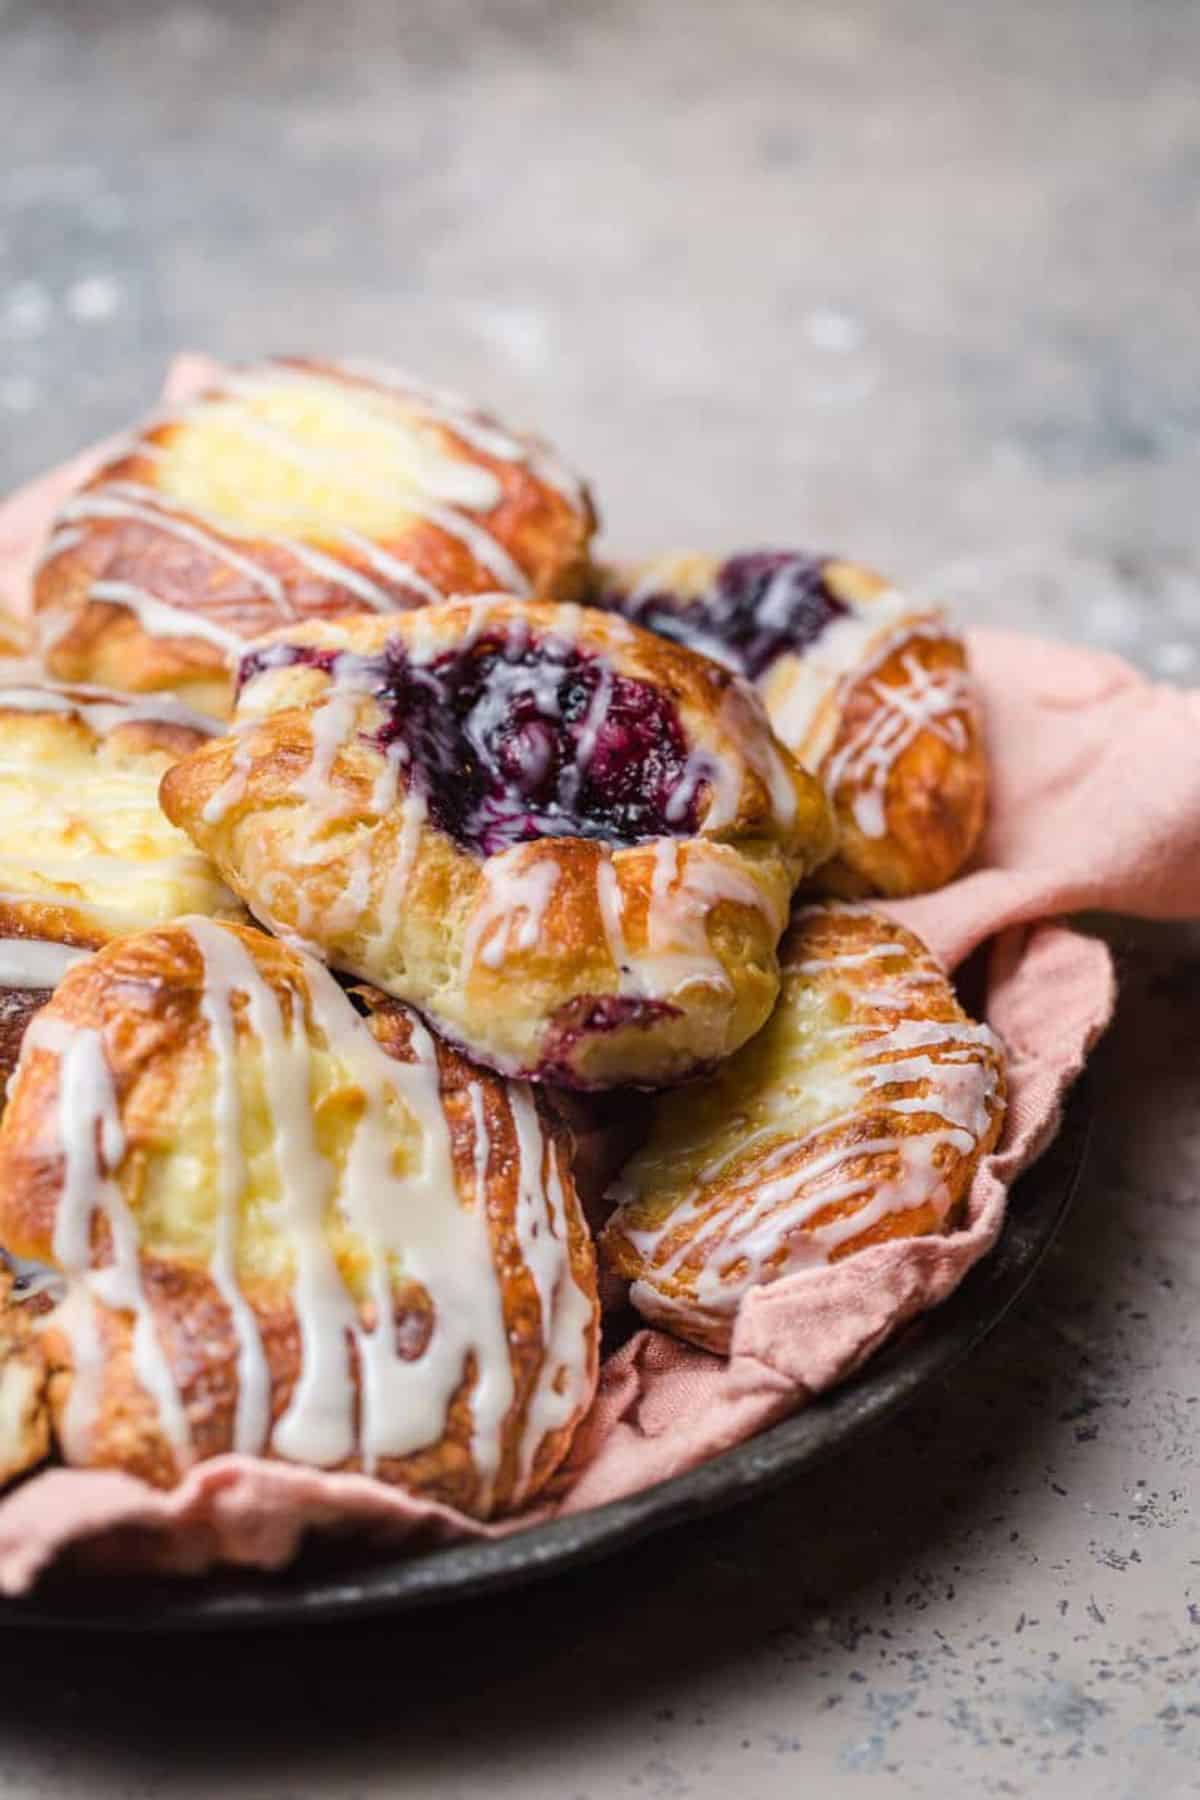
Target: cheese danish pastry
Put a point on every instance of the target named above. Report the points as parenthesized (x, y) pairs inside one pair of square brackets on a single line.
[(859, 1113), (292, 1224), (85, 851), (291, 490)]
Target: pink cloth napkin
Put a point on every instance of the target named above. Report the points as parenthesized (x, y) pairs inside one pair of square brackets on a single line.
[(1096, 804)]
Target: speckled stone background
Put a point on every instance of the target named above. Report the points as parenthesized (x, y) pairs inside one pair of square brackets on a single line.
[(914, 281)]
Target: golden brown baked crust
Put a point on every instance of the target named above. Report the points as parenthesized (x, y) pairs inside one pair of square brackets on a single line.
[(24, 1410), (295, 489), (859, 1114), (591, 903), (291, 1229), (85, 851), (869, 690)]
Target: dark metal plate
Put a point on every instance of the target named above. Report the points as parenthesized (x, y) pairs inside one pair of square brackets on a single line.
[(332, 1584)]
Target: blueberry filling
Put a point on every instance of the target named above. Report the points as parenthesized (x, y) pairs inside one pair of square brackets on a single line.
[(594, 1015), (759, 606), (514, 738)]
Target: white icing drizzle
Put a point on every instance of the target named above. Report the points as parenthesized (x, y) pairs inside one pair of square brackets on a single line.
[(511, 907), (36, 962), (331, 568), (483, 1142), (330, 724), (416, 1222), (747, 742), (318, 1425), (612, 917), (392, 568), (131, 500), (684, 889), (92, 1143), (688, 881), (932, 700), (724, 776), (418, 462), (460, 417), (758, 750), (589, 731), (233, 788), (542, 1234), (426, 1227), (798, 698), (851, 959), (764, 1228), (157, 508), (159, 619), (101, 709), (435, 486), (436, 490), (408, 844), (486, 549), (252, 1417)]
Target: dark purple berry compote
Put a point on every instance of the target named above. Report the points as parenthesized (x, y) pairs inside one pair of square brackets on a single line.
[(516, 736), (758, 607)]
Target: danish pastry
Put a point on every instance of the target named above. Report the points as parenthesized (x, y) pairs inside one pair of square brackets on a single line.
[(868, 689), (859, 1114), (292, 1224), (569, 843), (291, 490), (85, 851)]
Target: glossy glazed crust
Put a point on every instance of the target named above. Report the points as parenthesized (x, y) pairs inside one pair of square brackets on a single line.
[(882, 707), (238, 583), (144, 996), (561, 959), (85, 852), (807, 1147)]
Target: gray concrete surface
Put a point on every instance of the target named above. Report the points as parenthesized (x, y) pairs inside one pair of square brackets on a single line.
[(917, 282)]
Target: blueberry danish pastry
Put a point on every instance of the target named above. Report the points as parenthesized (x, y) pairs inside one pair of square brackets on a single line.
[(869, 690), (570, 844)]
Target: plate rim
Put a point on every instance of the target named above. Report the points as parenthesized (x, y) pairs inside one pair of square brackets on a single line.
[(926, 1350)]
